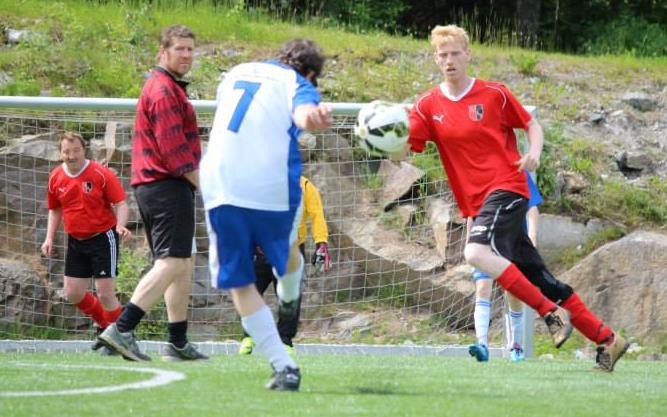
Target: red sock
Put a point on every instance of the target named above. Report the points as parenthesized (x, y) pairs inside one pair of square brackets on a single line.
[(112, 315), (518, 285), (585, 321), (92, 307)]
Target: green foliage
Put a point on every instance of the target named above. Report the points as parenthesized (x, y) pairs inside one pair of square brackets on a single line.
[(627, 34), (364, 15), (624, 203), (544, 345), (371, 180), (18, 331), (525, 63), (391, 219), (547, 173), (429, 161), (131, 268)]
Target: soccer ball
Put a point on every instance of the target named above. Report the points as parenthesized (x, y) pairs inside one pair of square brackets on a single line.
[(382, 127)]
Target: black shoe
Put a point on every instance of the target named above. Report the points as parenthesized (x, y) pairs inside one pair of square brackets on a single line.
[(98, 344), (187, 353), (288, 379), (123, 343), (559, 326)]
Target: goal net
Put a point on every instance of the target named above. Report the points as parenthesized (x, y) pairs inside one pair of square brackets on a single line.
[(395, 236)]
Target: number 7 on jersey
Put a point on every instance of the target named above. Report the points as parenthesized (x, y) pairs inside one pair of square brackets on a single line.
[(249, 90)]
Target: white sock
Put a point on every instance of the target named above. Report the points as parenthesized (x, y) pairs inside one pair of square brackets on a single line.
[(516, 325), (289, 285), (262, 328), (482, 316)]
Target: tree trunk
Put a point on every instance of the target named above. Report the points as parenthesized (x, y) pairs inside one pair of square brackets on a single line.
[(527, 22)]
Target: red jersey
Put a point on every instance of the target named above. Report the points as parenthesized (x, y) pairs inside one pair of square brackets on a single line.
[(166, 137), (85, 198), (474, 134)]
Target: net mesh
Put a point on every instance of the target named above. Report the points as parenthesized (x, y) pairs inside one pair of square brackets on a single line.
[(395, 237)]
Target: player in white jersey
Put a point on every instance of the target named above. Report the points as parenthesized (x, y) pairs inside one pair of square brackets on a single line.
[(250, 185)]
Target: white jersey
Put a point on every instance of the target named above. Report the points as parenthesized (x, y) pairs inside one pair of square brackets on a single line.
[(253, 158)]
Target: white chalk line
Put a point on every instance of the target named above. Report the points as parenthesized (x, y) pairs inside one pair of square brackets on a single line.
[(160, 377)]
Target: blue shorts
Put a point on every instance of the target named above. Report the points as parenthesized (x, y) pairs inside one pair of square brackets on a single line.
[(235, 232)]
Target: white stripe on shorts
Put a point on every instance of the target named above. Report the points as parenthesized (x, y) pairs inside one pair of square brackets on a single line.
[(113, 253)]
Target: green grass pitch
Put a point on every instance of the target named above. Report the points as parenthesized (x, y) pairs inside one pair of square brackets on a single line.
[(333, 386)]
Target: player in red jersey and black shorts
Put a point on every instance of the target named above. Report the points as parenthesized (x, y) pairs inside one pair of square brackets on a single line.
[(472, 124), (165, 166), (91, 201)]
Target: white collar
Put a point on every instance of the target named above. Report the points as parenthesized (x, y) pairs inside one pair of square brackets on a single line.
[(445, 90), (83, 168)]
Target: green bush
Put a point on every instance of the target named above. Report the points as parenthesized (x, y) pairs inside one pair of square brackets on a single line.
[(525, 63), (627, 34)]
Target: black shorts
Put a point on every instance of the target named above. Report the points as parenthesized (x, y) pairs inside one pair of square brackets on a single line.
[(167, 208), (96, 257), (501, 224)]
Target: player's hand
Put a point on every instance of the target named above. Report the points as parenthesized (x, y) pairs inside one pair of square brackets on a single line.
[(320, 117), (321, 258), (529, 162), (47, 247), (124, 233)]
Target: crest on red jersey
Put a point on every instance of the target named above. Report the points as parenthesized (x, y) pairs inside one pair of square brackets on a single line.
[(87, 186), (476, 112)]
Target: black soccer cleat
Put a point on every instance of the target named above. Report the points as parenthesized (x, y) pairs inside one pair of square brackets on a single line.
[(288, 379)]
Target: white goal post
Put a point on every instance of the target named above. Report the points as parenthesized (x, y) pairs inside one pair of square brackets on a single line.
[(396, 237)]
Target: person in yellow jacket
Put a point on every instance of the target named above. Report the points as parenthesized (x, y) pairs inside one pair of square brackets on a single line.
[(288, 316)]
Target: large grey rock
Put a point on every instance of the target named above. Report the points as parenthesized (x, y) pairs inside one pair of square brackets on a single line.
[(448, 228), (556, 233), (5, 79), (625, 283), (14, 36), (24, 295), (399, 178), (640, 101), (27, 162), (630, 162)]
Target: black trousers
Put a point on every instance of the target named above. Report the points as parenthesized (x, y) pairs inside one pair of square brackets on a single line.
[(287, 325)]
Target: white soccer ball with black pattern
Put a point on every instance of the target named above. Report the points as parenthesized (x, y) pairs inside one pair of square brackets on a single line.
[(382, 127)]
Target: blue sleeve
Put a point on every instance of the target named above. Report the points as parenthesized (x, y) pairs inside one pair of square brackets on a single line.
[(305, 93), (535, 196)]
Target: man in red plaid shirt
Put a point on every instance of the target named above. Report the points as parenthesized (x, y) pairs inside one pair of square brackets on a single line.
[(165, 167)]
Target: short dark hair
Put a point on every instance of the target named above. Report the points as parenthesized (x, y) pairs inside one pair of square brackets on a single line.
[(71, 137), (304, 56), (175, 31)]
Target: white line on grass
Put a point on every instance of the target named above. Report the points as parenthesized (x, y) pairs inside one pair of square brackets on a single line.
[(160, 377)]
